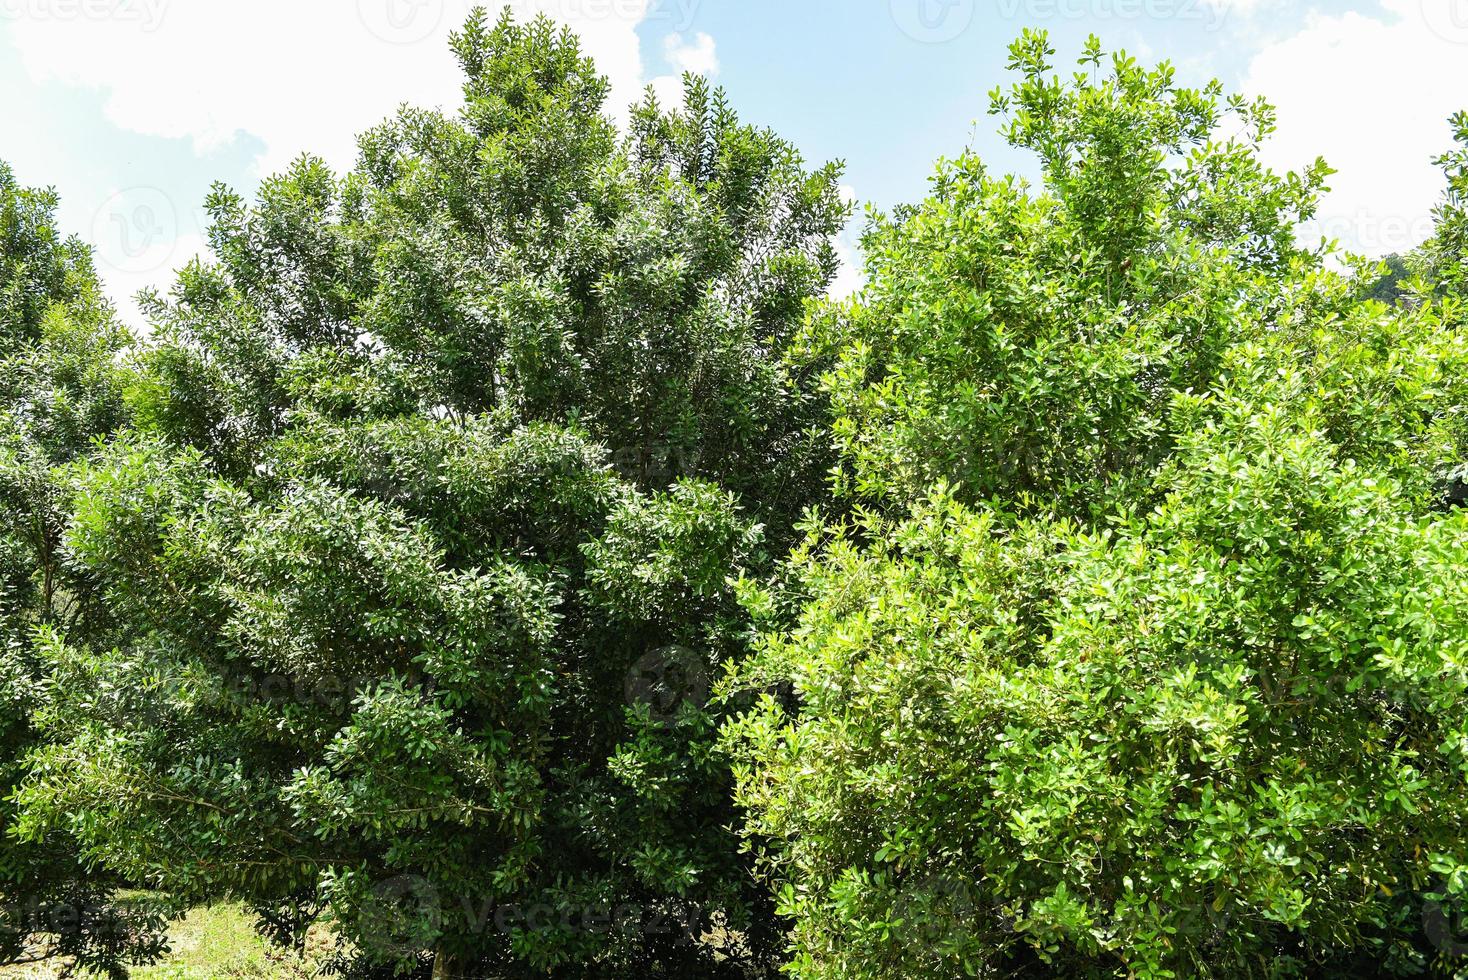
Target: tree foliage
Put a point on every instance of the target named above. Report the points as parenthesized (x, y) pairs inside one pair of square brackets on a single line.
[(59, 388), (1215, 740), (1148, 657), (417, 554), (1447, 254), (1026, 345), (500, 554)]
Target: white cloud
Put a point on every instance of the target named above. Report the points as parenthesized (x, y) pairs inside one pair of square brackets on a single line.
[(850, 276), (698, 56), (1372, 96), (297, 74)]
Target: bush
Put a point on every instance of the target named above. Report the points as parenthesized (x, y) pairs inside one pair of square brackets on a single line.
[(1148, 658), (1219, 740)]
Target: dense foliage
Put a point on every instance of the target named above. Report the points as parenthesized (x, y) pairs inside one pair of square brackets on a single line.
[(422, 537), (1026, 346), (500, 555), (1217, 740), (1162, 673), (1447, 254), (59, 389)]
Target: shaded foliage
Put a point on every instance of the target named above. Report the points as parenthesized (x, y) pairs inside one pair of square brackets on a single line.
[(418, 551), (60, 387)]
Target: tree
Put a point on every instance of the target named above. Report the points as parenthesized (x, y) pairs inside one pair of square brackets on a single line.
[(1446, 255), (1218, 740), (1172, 681), (1388, 280), (59, 388), (1027, 346), (418, 550), (516, 260)]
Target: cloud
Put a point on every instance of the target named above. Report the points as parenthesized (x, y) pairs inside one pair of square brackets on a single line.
[(1371, 95), (299, 76), (1245, 8), (699, 56), (850, 275)]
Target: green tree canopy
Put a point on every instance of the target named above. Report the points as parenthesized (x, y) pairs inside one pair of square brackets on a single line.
[(1447, 253), (60, 387), (1026, 345), (501, 554), (1149, 659), (418, 552)]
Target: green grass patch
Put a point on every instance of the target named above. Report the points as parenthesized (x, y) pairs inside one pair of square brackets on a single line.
[(216, 943)]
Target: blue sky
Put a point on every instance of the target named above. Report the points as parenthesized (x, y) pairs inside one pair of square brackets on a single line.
[(131, 108)]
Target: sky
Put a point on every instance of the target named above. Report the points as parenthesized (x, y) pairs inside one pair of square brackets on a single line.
[(131, 109)]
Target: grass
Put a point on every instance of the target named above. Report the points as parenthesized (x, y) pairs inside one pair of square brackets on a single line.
[(217, 943)]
